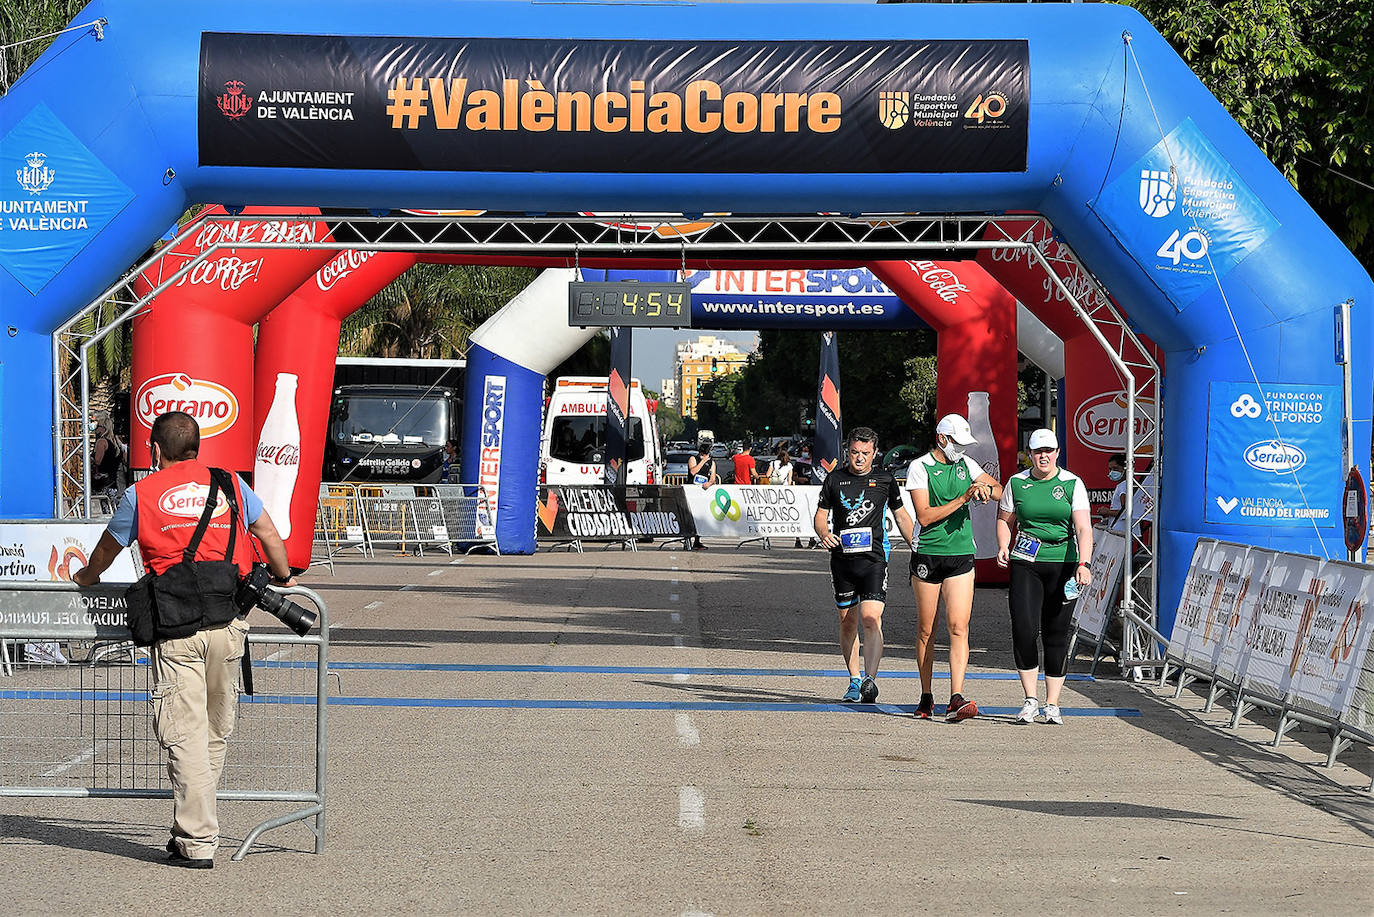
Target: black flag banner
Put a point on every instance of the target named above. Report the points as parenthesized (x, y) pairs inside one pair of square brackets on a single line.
[(565, 105)]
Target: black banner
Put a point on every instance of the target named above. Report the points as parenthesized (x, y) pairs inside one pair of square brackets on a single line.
[(562, 105), (618, 407), (613, 513)]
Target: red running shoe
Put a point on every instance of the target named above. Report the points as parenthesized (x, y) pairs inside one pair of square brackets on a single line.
[(959, 709), (926, 708)]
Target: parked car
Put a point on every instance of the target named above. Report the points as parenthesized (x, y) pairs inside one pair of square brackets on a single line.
[(676, 463)]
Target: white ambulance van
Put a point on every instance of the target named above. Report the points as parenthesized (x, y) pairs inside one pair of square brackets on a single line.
[(574, 442)]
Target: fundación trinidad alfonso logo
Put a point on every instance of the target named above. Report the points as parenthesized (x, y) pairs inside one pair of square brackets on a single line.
[(233, 103), (722, 507), (212, 405), (35, 177)]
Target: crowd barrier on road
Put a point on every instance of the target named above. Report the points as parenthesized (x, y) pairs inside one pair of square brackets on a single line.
[(1281, 632), (406, 517), (85, 729)]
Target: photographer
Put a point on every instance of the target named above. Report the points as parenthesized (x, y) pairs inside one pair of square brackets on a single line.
[(195, 678)]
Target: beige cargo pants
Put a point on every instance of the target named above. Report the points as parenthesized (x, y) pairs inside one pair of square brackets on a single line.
[(195, 697)]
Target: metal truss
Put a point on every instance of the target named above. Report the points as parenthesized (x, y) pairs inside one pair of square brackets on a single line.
[(690, 239)]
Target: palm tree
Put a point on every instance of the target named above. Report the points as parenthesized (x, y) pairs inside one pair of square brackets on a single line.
[(430, 310), (21, 20)]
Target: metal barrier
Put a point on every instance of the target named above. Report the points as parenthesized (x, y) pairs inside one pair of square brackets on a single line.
[(86, 729), (409, 517)]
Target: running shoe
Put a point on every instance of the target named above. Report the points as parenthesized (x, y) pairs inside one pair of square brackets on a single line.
[(926, 708), (868, 690), (959, 708), (1052, 715), (852, 695), (1029, 708)]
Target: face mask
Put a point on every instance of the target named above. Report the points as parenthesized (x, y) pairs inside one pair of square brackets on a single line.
[(1116, 475), (953, 451), (91, 426)]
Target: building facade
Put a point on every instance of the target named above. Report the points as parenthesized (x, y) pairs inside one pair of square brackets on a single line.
[(698, 362)]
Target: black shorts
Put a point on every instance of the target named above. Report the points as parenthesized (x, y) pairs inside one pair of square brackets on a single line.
[(936, 568), (858, 579)]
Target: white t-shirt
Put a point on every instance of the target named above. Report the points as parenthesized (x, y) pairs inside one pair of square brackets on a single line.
[(1142, 507), (918, 472), (779, 474)]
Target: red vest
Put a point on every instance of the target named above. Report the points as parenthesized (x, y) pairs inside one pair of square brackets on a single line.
[(169, 506)]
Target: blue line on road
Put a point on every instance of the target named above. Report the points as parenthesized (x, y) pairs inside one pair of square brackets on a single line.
[(519, 704), (626, 670)]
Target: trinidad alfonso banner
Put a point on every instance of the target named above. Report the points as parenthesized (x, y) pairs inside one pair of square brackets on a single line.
[(562, 105)]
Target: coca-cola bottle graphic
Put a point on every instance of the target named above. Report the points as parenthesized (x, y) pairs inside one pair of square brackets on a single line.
[(279, 454)]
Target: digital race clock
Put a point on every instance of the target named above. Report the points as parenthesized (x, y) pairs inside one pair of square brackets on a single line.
[(629, 304)]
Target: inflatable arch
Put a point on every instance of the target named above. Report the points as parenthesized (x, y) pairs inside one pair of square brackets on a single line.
[(1079, 112)]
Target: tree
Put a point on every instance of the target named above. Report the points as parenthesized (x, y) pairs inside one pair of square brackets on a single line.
[(430, 310), (21, 20)]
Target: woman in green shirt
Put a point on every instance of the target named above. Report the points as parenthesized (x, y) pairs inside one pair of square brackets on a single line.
[(942, 483), (1052, 544)]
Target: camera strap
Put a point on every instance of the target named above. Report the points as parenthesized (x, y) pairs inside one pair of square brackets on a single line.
[(216, 487), (222, 477)]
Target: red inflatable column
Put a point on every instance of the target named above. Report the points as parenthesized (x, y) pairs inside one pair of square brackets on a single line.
[(293, 379), (193, 347), (1094, 395)]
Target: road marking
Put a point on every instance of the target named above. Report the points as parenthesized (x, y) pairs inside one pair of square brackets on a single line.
[(407, 587), (675, 617), (456, 561), (87, 755), (687, 734), (371, 605), (494, 703), (691, 809), (674, 582), (673, 596), (661, 670), (436, 572), (677, 641), (680, 677)]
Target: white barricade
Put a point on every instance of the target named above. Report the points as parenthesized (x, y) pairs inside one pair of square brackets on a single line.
[(1095, 604), (1282, 632), (749, 512)]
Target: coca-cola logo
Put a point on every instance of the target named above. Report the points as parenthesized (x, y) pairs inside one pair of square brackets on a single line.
[(1100, 423), (340, 267), (279, 454), (212, 405), (189, 500), (943, 282), (229, 272), (216, 232)]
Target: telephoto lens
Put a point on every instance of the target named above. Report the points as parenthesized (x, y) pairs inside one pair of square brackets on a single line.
[(253, 592)]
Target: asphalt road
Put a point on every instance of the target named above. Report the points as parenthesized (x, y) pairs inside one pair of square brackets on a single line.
[(657, 733)]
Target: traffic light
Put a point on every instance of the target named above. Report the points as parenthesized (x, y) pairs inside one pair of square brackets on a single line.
[(714, 368), (766, 428)]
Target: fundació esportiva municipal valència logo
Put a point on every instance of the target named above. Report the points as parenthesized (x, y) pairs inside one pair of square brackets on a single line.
[(35, 177), (1157, 197)]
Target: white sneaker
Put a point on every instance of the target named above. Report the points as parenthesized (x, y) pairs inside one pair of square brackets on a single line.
[(1052, 715), (1029, 708)]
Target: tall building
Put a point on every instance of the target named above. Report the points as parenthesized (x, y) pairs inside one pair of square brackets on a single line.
[(667, 391), (698, 362)]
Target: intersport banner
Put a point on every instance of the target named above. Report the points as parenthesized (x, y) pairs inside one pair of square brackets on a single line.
[(563, 105)]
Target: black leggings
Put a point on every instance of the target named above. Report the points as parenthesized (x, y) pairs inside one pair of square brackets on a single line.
[(1038, 607)]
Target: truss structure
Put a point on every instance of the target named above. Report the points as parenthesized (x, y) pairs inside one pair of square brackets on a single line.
[(712, 240)]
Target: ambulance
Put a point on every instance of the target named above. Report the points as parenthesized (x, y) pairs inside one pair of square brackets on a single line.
[(573, 449)]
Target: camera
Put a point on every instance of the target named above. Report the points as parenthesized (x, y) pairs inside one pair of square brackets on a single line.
[(253, 592)]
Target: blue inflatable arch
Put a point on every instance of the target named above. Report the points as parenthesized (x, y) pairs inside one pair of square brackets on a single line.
[(1079, 112)]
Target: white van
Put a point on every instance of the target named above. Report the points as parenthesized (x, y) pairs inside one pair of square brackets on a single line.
[(574, 442)]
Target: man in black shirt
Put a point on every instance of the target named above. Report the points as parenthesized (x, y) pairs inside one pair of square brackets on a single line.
[(702, 467), (859, 497)]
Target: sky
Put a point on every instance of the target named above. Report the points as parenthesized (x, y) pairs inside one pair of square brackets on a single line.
[(652, 349)]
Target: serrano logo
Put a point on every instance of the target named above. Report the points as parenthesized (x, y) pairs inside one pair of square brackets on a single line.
[(212, 405), (701, 107), (1100, 423), (493, 427), (233, 103), (1274, 456), (189, 500)]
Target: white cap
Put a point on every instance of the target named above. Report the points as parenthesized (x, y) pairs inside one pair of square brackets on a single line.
[(956, 428), (1043, 439)]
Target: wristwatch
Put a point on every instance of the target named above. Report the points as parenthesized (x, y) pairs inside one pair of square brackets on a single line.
[(1084, 563)]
